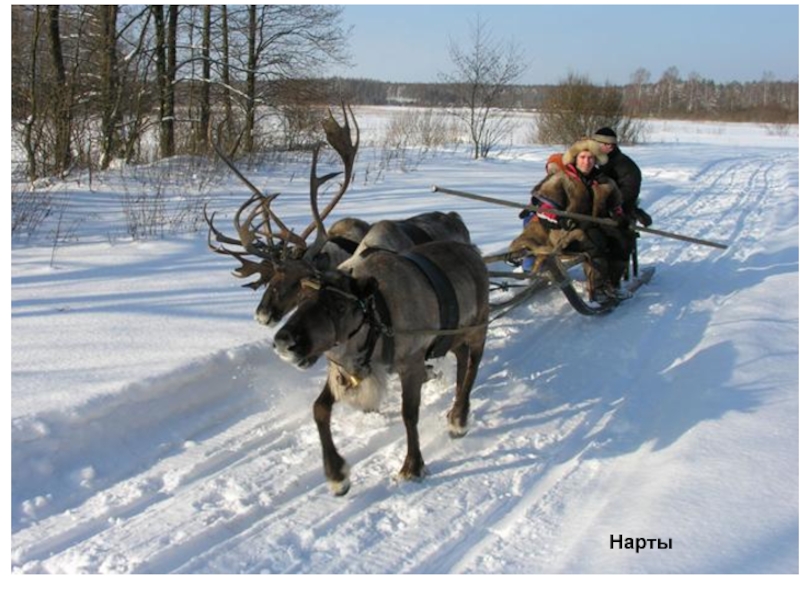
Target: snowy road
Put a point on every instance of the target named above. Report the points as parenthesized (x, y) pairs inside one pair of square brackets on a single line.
[(675, 417)]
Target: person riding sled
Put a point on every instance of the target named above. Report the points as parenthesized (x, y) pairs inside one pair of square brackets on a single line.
[(578, 186), (625, 172), (628, 177)]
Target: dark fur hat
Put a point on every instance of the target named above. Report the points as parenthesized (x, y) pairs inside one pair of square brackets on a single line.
[(605, 135)]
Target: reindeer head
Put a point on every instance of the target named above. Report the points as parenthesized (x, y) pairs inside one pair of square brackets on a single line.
[(282, 264), (332, 315), (285, 290)]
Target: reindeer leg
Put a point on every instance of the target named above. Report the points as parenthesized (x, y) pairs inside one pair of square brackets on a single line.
[(336, 469), (411, 381), (468, 357)]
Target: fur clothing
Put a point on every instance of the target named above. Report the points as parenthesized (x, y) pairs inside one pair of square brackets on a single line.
[(595, 194)]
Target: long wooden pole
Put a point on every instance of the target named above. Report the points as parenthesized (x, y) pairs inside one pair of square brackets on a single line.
[(579, 217)]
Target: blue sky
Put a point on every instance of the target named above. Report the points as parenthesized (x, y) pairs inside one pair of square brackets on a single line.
[(409, 43)]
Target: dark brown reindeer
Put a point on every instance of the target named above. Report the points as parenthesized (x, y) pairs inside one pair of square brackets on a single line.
[(383, 313), (286, 291), (282, 268)]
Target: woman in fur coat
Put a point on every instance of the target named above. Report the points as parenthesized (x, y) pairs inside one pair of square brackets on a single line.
[(574, 184)]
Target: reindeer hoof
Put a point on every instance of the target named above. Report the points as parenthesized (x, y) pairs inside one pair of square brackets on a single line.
[(457, 431), (456, 428), (341, 487), (408, 474)]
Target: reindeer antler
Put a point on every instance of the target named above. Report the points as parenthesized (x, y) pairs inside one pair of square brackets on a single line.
[(340, 139), (285, 234), (257, 224), (264, 269)]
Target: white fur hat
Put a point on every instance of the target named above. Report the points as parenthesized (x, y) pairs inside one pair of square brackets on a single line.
[(585, 144)]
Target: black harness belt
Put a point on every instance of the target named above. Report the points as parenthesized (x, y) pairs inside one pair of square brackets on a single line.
[(448, 302)]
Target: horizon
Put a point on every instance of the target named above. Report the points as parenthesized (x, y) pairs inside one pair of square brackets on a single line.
[(747, 43)]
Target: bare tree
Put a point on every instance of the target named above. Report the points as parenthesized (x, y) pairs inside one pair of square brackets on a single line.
[(667, 89), (225, 71), (639, 79), (285, 43), (135, 92), (205, 84), (576, 108), (483, 81), (31, 94), (250, 75)]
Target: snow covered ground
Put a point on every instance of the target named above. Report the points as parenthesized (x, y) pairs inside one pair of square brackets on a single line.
[(154, 430)]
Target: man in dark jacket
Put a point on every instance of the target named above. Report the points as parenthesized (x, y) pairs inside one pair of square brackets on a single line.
[(628, 178), (626, 173)]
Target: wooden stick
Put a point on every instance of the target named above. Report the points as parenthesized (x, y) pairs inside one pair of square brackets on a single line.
[(579, 217)]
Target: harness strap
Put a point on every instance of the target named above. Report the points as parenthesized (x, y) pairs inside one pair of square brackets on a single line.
[(446, 296), (383, 327)]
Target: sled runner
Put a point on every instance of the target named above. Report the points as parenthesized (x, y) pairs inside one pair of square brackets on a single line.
[(556, 272)]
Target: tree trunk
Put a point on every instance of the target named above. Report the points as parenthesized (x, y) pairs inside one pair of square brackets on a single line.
[(165, 66), (205, 86), (63, 109), (226, 76), (30, 122), (250, 91), (111, 96)]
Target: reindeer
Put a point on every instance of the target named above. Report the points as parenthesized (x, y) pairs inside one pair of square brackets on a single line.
[(281, 269), (387, 312), (286, 291)]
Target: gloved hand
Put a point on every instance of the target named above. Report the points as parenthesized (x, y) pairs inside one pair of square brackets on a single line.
[(643, 217), (623, 222)]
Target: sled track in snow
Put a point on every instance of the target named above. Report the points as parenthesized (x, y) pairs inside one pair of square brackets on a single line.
[(730, 183), (222, 430), (234, 474), (217, 466)]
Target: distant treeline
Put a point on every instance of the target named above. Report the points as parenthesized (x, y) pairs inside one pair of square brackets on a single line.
[(669, 98), (92, 85)]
